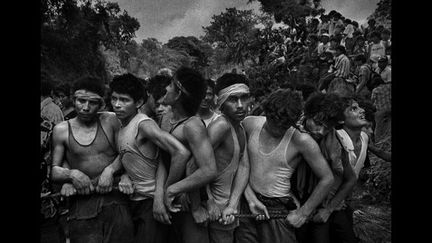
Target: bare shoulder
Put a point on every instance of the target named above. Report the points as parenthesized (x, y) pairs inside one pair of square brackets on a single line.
[(147, 125), (250, 122), (303, 141), (194, 129), (107, 116), (60, 130), (194, 123), (221, 124)]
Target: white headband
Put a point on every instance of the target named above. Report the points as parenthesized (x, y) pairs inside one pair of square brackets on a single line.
[(230, 90)]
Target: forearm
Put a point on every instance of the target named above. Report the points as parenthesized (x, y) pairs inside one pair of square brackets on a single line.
[(318, 194), (177, 168), (344, 190), (161, 175), (115, 166), (250, 194), (60, 174), (240, 182), (197, 179)]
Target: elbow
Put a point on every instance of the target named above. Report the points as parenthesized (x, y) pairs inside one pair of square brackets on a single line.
[(211, 171), (328, 180)]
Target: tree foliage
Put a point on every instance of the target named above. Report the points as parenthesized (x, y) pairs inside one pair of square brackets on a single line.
[(382, 13), (289, 10), (72, 33), (195, 48), (232, 30)]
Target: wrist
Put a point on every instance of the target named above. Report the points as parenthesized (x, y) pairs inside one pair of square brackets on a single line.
[(304, 212), (109, 170)]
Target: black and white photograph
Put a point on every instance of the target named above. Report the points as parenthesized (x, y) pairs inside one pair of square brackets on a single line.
[(215, 121)]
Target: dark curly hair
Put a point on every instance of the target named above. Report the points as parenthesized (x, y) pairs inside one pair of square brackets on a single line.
[(129, 84), (194, 83), (329, 108), (229, 79), (283, 107), (156, 85)]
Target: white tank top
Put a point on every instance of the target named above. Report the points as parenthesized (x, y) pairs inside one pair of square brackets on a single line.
[(270, 173), (140, 168)]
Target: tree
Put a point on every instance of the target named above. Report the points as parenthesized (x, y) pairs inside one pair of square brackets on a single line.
[(197, 49), (232, 30), (382, 13), (290, 10), (72, 33)]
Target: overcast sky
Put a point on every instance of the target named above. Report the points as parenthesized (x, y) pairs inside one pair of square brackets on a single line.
[(164, 19)]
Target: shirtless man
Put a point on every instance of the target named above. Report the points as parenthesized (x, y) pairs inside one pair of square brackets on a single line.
[(229, 143), (184, 94), (138, 141), (275, 148), (323, 113), (205, 110), (87, 144)]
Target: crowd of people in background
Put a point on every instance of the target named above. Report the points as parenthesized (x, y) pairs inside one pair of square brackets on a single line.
[(181, 158)]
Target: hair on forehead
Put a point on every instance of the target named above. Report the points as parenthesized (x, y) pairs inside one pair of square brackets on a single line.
[(229, 79)]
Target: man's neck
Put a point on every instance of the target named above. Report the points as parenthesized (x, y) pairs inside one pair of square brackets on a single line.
[(178, 112), (234, 123), (354, 134), (205, 113), (88, 123), (271, 132), (126, 120), (146, 110)]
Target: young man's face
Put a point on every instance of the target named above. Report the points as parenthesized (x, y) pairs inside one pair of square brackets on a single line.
[(235, 107), (208, 99), (171, 94), (355, 116), (60, 99), (87, 108), (316, 128), (161, 109), (124, 105)]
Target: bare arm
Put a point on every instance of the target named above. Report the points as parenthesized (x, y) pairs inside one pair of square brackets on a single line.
[(311, 152), (241, 180), (59, 173), (349, 181), (179, 153), (80, 181), (196, 135)]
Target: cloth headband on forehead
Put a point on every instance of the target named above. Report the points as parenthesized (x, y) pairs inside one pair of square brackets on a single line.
[(230, 90), (180, 86), (87, 95)]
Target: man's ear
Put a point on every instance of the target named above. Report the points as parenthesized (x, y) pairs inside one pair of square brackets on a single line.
[(341, 122)]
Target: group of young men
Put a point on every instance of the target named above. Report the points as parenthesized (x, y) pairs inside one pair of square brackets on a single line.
[(197, 174)]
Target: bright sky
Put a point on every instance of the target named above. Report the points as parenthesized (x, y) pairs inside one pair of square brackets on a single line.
[(165, 19)]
